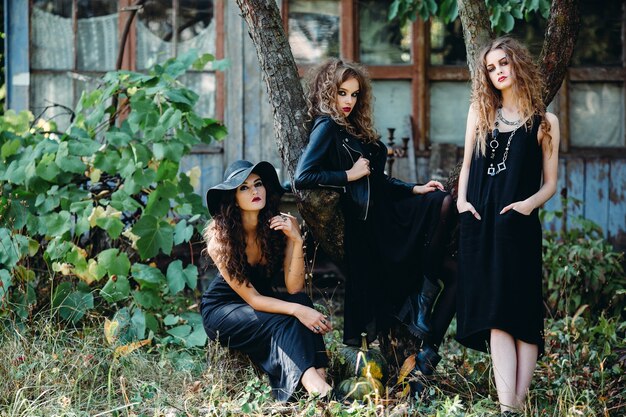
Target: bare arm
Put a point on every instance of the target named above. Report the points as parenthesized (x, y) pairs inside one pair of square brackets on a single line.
[(550, 175), (294, 253), (310, 317), (470, 137)]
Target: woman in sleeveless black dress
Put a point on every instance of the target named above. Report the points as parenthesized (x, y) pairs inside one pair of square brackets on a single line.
[(511, 142), (395, 232), (250, 245)]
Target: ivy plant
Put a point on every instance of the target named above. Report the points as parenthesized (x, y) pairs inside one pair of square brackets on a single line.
[(87, 214)]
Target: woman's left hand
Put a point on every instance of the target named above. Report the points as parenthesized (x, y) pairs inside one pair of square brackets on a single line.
[(288, 224), (430, 186), (522, 207)]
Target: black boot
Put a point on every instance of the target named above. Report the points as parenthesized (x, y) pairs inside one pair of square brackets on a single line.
[(417, 309), (425, 363)]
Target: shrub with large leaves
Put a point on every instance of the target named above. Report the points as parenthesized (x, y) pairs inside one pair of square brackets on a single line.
[(86, 215)]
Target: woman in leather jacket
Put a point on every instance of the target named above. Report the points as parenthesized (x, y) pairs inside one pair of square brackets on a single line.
[(395, 232)]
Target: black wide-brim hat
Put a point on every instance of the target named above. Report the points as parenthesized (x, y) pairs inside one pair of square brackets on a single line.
[(235, 175)]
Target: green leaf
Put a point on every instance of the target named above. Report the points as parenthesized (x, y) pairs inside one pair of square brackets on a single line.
[(117, 138), (182, 232), (180, 332), (154, 235), (114, 262), (120, 200), (171, 320), (83, 146), (170, 119), (175, 277), (107, 161), (168, 150), (179, 96), (167, 170), (55, 224), (201, 62), (112, 225), (393, 9), (147, 275), (5, 284), (507, 22), (72, 305), (10, 148), (116, 289), (191, 276), (138, 323), (67, 162), (147, 298), (197, 338)]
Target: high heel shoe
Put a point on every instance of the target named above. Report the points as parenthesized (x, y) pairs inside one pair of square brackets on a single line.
[(417, 309)]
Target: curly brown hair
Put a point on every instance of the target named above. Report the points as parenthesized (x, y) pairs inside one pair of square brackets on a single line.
[(323, 83), (528, 87), (226, 226)]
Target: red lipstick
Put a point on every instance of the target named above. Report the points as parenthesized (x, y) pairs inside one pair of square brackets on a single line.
[(501, 79), (346, 109), (255, 199)]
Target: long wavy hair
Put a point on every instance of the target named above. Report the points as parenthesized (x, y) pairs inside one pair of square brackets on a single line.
[(226, 226), (528, 86), (321, 97)]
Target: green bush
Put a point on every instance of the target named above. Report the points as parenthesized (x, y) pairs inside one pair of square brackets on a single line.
[(581, 268), (86, 215)]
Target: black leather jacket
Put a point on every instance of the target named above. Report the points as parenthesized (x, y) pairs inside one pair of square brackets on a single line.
[(331, 152)]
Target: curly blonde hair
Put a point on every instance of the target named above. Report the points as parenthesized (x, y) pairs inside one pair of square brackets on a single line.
[(321, 97), (527, 87)]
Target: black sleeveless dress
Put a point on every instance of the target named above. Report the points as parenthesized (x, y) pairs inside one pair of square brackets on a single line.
[(500, 256), (279, 344)]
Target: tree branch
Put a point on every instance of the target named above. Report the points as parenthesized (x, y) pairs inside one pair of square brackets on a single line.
[(558, 45), (476, 28)]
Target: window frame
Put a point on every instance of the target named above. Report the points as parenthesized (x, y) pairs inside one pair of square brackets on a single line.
[(129, 57), (421, 74)]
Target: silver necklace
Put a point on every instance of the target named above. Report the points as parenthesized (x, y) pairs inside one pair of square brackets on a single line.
[(501, 118), (493, 144)]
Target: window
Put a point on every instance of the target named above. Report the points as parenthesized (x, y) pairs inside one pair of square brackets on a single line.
[(86, 46)]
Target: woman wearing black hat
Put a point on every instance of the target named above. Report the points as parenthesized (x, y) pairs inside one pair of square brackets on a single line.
[(250, 244)]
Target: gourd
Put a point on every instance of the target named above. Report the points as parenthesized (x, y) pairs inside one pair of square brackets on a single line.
[(365, 362), (357, 388)]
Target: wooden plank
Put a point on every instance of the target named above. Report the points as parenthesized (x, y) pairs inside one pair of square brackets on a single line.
[(348, 35), (423, 175), (616, 229), (575, 189), (597, 74), (17, 27), (597, 192), (220, 90), (555, 203), (448, 73), (420, 96), (234, 109), (253, 89)]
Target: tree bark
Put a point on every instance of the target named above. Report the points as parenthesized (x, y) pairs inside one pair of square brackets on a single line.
[(319, 208), (476, 28), (558, 45)]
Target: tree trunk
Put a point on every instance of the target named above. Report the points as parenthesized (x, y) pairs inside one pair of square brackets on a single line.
[(558, 45), (319, 208), (476, 28)]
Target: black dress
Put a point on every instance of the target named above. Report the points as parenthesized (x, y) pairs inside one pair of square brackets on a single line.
[(279, 344), (500, 255), (383, 253)]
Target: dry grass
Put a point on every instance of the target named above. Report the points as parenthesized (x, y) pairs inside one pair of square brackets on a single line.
[(48, 369)]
